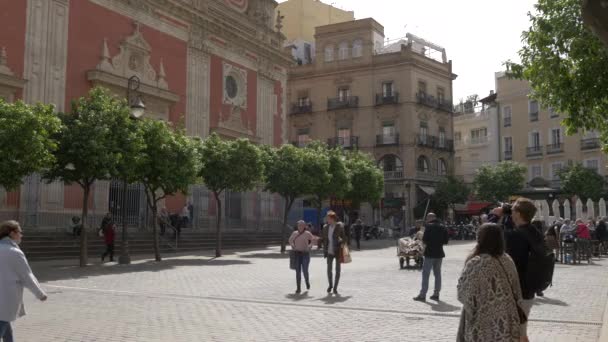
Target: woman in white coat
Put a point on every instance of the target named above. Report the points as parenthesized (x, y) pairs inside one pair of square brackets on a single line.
[(15, 274)]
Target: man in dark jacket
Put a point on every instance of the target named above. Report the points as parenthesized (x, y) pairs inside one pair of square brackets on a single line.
[(333, 238), (358, 227), (435, 236), (520, 242)]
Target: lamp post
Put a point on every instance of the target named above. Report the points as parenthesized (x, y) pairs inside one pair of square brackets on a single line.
[(137, 108)]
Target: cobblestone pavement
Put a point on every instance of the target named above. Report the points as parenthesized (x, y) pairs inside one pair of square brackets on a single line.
[(248, 296)]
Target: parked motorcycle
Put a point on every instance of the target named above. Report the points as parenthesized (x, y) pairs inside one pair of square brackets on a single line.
[(371, 232)]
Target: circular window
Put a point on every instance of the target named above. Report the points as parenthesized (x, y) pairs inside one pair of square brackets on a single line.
[(232, 87)]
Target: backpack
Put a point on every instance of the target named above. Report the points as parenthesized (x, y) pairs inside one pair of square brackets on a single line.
[(541, 264)]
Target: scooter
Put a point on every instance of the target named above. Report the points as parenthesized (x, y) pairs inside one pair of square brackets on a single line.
[(371, 232)]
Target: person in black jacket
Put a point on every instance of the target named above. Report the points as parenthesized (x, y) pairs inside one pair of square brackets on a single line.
[(435, 236), (522, 241)]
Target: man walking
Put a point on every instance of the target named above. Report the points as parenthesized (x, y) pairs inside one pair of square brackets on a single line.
[(435, 236), (333, 239), (358, 227)]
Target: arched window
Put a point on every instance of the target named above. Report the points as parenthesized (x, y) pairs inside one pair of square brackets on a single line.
[(357, 48), (343, 51), (423, 164), (391, 162), (442, 168), (329, 53)]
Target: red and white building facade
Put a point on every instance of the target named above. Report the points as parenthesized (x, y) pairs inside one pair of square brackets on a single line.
[(214, 65)]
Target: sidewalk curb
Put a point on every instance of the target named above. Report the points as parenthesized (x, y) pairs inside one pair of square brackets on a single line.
[(604, 329)]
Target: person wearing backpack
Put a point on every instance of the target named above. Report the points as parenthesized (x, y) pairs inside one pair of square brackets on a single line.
[(525, 246)]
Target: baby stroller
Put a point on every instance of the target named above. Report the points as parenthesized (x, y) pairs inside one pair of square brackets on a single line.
[(408, 248)]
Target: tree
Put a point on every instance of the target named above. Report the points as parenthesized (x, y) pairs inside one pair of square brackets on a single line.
[(168, 164), (229, 165), (366, 180), (582, 182), (26, 140), (91, 146), (288, 173), (451, 191), (567, 66), (332, 176), (496, 183)]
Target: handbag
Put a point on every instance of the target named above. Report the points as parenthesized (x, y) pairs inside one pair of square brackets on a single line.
[(345, 257), (523, 318)]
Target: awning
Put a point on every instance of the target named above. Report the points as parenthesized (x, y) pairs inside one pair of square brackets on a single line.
[(473, 208), (429, 190)]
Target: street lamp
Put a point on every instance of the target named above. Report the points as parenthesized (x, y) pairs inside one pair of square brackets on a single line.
[(137, 111)]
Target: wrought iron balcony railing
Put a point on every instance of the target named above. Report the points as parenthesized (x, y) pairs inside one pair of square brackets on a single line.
[(343, 102)]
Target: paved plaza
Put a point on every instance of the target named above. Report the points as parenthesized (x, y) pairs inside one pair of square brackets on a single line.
[(248, 296)]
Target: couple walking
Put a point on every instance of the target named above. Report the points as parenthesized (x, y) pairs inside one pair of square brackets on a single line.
[(333, 238)]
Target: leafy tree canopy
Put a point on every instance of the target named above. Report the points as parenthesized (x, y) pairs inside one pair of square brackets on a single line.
[(567, 66), (366, 179), (581, 181), (451, 191), (496, 183), (26, 140)]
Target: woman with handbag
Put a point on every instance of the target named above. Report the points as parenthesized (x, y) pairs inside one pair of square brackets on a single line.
[(301, 241), (490, 292)]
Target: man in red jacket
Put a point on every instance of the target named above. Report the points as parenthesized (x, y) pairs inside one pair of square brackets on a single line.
[(109, 233)]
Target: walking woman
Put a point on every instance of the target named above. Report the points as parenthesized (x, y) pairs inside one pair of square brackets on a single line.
[(333, 239), (301, 242), (15, 274), (108, 228), (489, 291)]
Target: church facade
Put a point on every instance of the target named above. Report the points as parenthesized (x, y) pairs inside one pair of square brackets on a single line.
[(213, 65)]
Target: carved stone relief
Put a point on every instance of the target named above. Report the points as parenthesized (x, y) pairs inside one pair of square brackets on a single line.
[(9, 84), (235, 86)]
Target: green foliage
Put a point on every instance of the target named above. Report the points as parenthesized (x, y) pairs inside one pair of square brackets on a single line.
[(97, 141), (451, 191), (332, 175), (236, 165), (496, 183), (567, 66), (366, 179), (582, 182), (26, 140), (168, 164), (92, 142)]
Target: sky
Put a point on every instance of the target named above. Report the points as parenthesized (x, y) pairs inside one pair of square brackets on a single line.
[(478, 35)]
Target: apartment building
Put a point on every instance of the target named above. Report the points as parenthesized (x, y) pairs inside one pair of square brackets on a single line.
[(392, 101), (476, 137), (533, 135)]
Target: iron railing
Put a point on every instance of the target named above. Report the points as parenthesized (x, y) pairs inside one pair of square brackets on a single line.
[(590, 143), (342, 102), (298, 108), (433, 102), (534, 116), (392, 175), (508, 155), (387, 139), (382, 99), (555, 148), (348, 142), (435, 142), (534, 151), (507, 121)]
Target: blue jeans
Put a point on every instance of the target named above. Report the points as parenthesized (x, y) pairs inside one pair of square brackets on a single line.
[(435, 265), (302, 262), (6, 332)]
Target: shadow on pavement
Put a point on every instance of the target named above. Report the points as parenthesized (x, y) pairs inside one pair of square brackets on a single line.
[(549, 301), (276, 255), (66, 272), (333, 299), (442, 306), (298, 297)]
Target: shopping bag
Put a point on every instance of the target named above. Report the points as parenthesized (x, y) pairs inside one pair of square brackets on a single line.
[(345, 258), (292, 259)]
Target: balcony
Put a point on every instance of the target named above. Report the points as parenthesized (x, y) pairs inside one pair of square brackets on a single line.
[(432, 176), (507, 122), (346, 143), (479, 140), (435, 142), (382, 99), (533, 116), (555, 148), (590, 144), (508, 155), (387, 139), (393, 175), (301, 108), (343, 102), (534, 151), (433, 102)]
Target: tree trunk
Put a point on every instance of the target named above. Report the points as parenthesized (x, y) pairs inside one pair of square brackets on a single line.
[(218, 222), (319, 205), (156, 242), (288, 204), (83, 234)]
